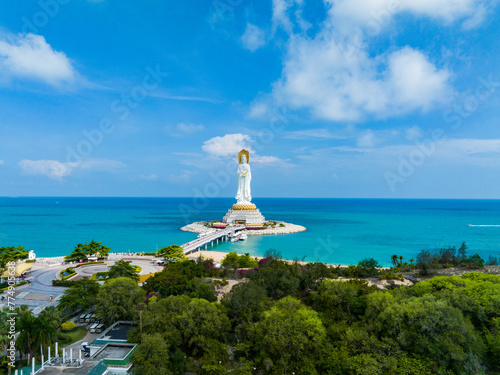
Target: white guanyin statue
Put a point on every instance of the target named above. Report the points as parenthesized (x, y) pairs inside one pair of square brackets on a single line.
[(244, 177)]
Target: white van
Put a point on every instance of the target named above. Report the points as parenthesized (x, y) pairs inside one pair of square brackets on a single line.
[(99, 328), (93, 327)]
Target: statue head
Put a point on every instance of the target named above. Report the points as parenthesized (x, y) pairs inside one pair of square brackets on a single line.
[(244, 156)]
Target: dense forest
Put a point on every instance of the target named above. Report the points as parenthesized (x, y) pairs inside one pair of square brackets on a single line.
[(271, 316), (292, 318)]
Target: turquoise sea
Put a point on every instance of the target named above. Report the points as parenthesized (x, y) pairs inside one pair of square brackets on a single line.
[(340, 231)]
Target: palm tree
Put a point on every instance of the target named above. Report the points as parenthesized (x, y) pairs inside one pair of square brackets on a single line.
[(27, 327), (52, 316), (394, 259), (45, 331), (4, 328), (400, 260), (36, 331)]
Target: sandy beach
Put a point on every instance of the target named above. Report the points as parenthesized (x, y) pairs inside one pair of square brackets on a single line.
[(217, 256)]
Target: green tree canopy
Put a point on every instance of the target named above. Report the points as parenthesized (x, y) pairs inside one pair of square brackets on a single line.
[(276, 277), (172, 253), (289, 338), (341, 300), (83, 251), (188, 323), (152, 357), (117, 300), (80, 296), (35, 331), (122, 268), (429, 328), (11, 254), (233, 260), (246, 302), (183, 277)]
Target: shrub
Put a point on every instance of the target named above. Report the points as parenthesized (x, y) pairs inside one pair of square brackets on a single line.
[(447, 257), (425, 259), (68, 326), (492, 261), (475, 261), (389, 275), (239, 261), (369, 267), (14, 286), (68, 283), (31, 261), (70, 273)]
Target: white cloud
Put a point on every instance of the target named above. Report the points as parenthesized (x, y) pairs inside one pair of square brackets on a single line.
[(375, 14), (413, 133), (183, 129), (334, 74), (415, 81), (168, 96), (228, 145), (103, 165), (253, 38), (283, 15), (272, 160), (313, 133), (317, 75), (367, 139), (30, 56), (51, 168), (259, 109), (151, 177), (183, 178), (57, 170), (189, 128)]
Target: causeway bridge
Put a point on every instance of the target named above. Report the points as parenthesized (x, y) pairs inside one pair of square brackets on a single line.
[(212, 238)]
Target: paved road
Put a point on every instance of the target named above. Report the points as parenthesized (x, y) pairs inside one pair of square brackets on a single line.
[(40, 293)]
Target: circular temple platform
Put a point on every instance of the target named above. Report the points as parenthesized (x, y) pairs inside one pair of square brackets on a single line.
[(288, 228)]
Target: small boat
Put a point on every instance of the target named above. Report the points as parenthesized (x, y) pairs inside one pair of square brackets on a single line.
[(243, 236), (233, 237)]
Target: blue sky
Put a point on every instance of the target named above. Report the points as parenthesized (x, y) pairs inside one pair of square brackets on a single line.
[(334, 98)]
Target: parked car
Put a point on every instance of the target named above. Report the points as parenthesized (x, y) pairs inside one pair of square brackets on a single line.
[(93, 327), (99, 328), (87, 318), (92, 318), (82, 318)]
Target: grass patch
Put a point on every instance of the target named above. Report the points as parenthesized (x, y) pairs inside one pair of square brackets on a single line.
[(138, 269), (99, 276), (14, 286), (68, 338)]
